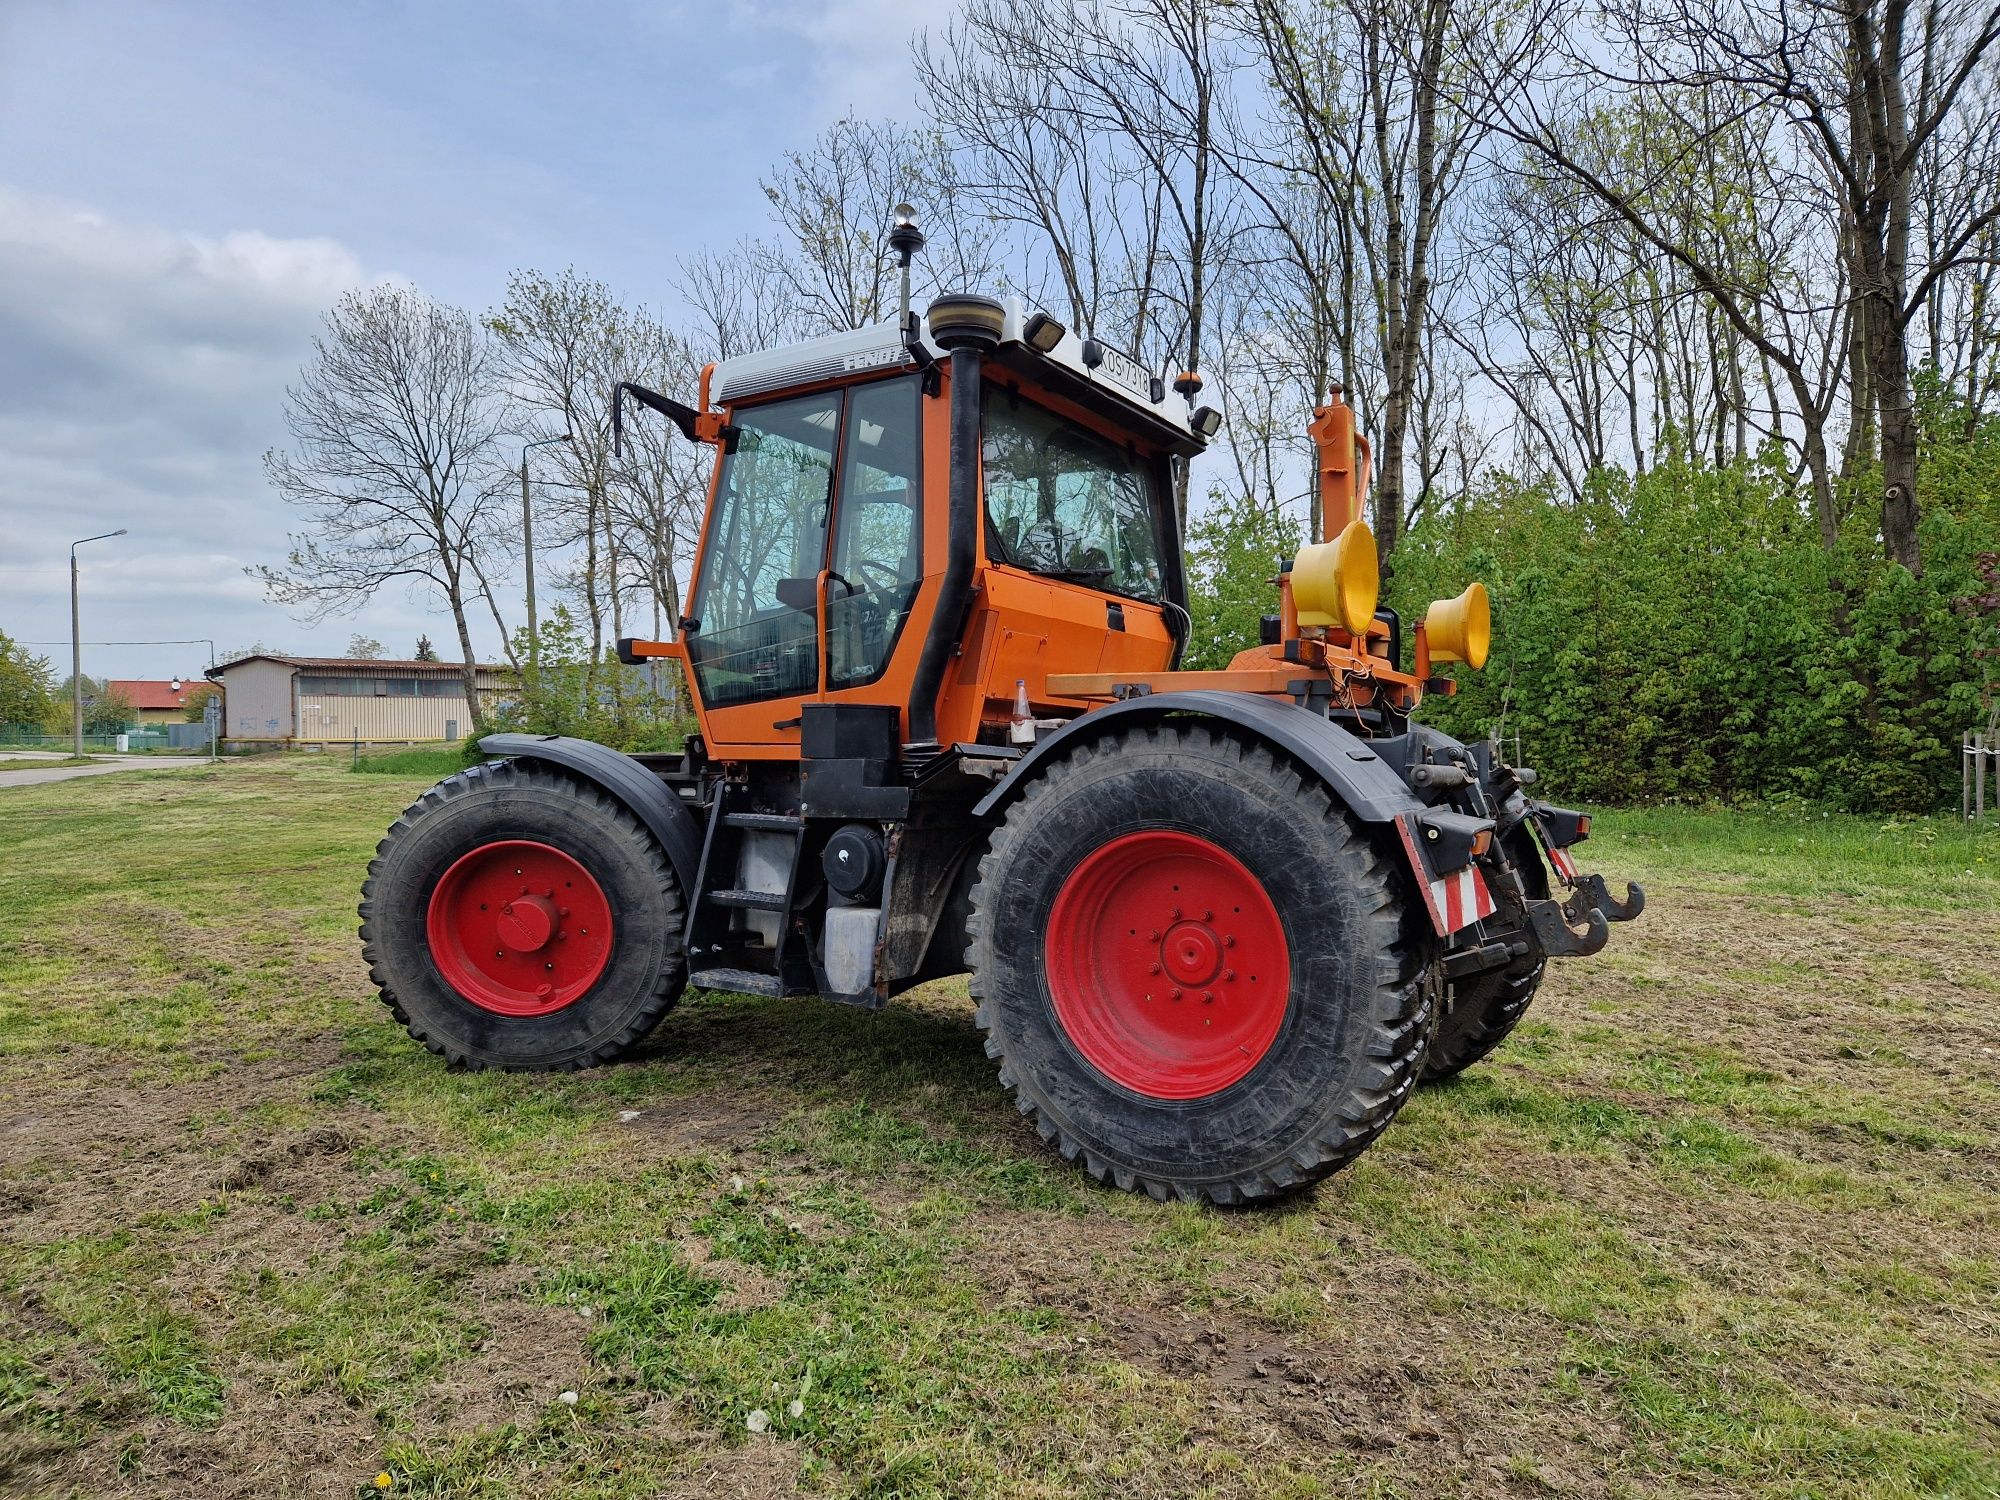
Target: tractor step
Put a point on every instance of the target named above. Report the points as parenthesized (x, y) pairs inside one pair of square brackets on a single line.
[(741, 981), (751, 900), (773, 822)]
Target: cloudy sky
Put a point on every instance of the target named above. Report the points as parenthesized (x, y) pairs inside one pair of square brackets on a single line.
[(185, 186)]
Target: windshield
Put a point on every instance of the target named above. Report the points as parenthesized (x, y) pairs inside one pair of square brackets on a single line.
[(1064, 502)]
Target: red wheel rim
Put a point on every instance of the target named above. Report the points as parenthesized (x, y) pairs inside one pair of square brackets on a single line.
[(519, 928), (1167, 964)]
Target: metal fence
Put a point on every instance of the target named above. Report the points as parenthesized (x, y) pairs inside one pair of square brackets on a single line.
[(128, 741), (1980, 767)]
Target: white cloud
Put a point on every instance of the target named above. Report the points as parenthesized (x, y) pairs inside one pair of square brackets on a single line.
[(858, 50), (142, 375)]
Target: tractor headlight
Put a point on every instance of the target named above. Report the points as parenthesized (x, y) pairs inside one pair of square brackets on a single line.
[(1461, 629), (1338, 582)]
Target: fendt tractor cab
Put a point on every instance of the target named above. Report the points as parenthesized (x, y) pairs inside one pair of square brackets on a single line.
[(1217, 923)]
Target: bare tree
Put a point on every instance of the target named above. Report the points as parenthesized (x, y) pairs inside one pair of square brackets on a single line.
[(394, 463), (834, 205), (1096, 129), (567, 341), (737, 310), (1844, 140), (1373, 97)]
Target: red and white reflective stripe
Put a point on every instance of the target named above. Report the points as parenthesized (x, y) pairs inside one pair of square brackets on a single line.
[(1462, 898), (1565, 866)]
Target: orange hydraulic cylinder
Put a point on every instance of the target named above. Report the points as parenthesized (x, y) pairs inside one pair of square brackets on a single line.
[(1344, 461)]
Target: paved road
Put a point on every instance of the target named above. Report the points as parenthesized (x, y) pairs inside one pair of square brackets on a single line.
[(104, 767)]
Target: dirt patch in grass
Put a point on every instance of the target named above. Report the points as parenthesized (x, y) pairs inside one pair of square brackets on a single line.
[(1718, 1221), (699, 1122), (763, 1469)]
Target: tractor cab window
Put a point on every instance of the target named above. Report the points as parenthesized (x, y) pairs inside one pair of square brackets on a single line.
[(1064, 502), (878, 552), (759, 634)]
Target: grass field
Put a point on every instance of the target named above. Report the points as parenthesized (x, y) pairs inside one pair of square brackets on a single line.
[(1721, 1220)]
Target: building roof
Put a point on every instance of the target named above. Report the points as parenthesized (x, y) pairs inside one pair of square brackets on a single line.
[(145, 693), (353, 666)]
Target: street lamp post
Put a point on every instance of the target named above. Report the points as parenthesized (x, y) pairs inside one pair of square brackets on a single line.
[(528, 544), (76, 645)]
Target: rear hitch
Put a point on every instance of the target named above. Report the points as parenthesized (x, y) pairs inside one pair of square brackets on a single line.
[(1560, 940), (1592, 890)]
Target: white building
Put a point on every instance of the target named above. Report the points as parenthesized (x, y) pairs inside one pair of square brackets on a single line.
[(272, 701)]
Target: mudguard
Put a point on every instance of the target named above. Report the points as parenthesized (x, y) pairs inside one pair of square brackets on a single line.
[(1437, 841), (619, 776), (1358, 776)]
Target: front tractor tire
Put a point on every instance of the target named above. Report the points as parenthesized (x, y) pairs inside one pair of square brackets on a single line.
[(1197, 974), (517, 918)]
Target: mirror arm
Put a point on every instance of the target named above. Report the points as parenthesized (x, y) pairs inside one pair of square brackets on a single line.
[(694, 425)]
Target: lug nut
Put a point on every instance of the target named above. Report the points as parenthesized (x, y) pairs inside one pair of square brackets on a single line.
[(1208, 997), (1176, 992), (1229, 974), (1229, 940), (1154, 970)]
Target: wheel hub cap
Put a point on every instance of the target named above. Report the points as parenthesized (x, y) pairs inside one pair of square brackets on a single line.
[(519, 928), (527, 924), (1167, 964)]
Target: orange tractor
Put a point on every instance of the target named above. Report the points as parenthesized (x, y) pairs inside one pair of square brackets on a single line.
[(1218, 924)]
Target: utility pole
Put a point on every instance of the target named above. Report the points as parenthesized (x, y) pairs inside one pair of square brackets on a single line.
[(76, 645), (528, 546)]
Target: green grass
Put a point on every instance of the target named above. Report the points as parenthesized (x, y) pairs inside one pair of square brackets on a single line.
[(1717, 1221), (432, 763), (40, 763)]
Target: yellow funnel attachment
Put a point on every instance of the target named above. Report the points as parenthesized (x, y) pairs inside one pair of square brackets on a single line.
[(1461, 629), (1338, 582)]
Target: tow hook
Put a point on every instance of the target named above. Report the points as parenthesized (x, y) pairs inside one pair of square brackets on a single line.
[(1558, 938), (1593, 892)]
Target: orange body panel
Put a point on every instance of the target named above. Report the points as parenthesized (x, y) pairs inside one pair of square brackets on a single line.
[(1026, 628)]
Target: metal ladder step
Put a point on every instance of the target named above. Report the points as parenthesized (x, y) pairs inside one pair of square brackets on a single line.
[(775, 822), (750, 900), (738, 981)]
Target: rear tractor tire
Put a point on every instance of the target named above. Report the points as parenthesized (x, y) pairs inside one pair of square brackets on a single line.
[(1482, 1009), (1197, 974), (517, 918)]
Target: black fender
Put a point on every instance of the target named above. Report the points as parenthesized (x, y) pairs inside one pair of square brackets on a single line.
[(1369, 785), (622, 778)]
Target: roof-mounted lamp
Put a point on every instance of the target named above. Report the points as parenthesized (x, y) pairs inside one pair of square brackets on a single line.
[(1043, 333), (906, 240)]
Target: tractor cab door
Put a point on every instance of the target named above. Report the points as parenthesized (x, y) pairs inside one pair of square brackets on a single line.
[(810, 564)]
